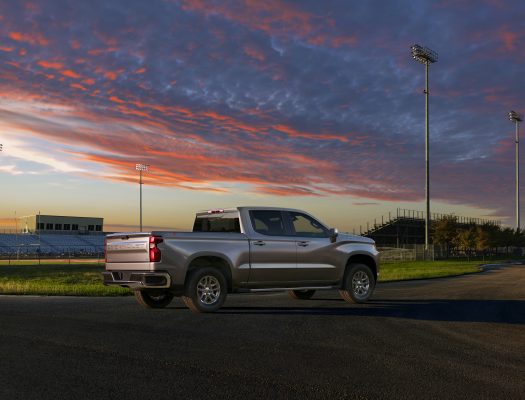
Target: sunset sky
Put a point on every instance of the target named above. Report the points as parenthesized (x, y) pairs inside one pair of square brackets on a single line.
[(315, 105)]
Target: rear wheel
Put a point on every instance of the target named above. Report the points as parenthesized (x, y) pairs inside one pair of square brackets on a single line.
[(153, 298), (358, 284), (206, 290), (301, 294)]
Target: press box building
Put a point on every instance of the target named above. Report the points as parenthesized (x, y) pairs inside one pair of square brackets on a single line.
[(61, 224)]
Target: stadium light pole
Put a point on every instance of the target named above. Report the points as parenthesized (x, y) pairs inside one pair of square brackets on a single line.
[(141, 168), (426, 56), (516, 118)]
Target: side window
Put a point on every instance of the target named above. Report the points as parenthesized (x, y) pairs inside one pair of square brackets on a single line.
[(268, 222), (306, 226)]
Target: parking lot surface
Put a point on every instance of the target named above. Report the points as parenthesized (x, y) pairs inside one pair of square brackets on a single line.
[(450, 338)]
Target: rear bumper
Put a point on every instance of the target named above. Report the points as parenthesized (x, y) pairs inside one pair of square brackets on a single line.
[(137, 279)]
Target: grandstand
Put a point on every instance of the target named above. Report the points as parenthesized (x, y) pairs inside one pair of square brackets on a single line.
[(47, 236), (407, 227), (50, 245)]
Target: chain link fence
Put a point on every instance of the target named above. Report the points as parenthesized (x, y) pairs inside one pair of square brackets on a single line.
[(416, 252), (40, 252)]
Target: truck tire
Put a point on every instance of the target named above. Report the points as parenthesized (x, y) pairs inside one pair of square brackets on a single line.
[(358, 284), (206, 290), (301, 294), (153, 298)]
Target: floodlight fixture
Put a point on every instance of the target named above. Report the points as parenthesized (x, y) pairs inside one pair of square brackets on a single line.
[(141, 167), (424, 55), (515, 117)]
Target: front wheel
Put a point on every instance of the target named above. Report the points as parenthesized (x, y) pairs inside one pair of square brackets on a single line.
[(358, 284), (304, 294), (206, 290), (153, 298)]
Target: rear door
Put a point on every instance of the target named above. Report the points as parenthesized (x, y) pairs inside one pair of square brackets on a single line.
[(272, 250)]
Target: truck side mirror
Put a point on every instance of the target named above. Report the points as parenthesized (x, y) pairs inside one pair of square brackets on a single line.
[(333, 232)]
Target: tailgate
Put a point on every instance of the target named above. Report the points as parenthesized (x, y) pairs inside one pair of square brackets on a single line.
[(127, 248)]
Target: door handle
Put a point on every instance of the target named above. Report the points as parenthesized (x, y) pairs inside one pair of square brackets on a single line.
[(259, 243), (302, 244)]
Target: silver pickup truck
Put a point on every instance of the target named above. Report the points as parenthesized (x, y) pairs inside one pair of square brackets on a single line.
[(242, 249)]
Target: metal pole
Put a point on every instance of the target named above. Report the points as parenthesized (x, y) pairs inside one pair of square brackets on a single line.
[(140, 185), (427, 189), (517, 176)]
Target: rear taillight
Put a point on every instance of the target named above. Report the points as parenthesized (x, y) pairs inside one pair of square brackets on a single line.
[(154, 251)]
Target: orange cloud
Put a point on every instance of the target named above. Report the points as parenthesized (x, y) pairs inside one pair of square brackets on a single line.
[(287, 191), (50, 64), (70, 74), (77, 86), (6, 49), (274, 18), (321, 136), (340, 41), (111, 75), (508, 38), (333, 41), (115, 99), (254, 53), (33, 38)]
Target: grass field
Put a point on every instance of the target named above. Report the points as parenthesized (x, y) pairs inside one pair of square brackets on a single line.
[(76, 279), (84, 278), (404, 270)]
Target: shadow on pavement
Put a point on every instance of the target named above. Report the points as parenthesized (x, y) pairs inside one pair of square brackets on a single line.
[(495, 311)]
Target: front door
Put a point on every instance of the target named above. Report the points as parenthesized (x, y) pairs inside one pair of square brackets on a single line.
[(316, 254)]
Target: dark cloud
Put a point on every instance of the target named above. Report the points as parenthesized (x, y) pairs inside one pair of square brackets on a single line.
[(296, 98)]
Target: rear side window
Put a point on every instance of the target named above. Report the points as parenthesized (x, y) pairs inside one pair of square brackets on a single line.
[(217, 224), (268, 222)]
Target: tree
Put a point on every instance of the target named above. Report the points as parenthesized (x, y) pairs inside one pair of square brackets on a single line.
[(467, 239), (482, 240), (494, 233), (519, 238), (445, 232), (506, 238)]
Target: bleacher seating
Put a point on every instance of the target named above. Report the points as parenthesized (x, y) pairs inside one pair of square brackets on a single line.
[(49, 245)]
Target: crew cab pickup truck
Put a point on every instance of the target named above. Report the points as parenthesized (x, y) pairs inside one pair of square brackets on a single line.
[(243, 249)]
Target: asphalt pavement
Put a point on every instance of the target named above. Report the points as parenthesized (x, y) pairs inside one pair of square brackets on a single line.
[(449, 338)]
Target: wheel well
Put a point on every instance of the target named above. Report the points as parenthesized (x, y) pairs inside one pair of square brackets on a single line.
[(364, 259), (213, 262)]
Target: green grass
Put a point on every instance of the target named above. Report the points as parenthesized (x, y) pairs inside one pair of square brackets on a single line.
[(78, 279), (85, 279), (404, 270)]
